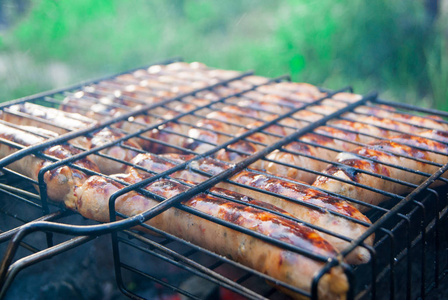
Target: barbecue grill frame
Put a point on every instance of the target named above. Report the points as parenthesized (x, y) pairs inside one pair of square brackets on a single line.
[(89, 231)]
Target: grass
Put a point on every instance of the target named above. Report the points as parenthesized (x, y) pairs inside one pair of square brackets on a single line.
[(390, 46)]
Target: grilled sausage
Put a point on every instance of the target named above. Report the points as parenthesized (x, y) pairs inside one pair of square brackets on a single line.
[(104, 105), (240, 114), (320, 216), (211, 119), (324, 137), (286, 266), (29, 114), (395, 125), (430, 122), (386, 116), (362, 159), (90, 197), (105, 136), (177, 76), (139, 122), (302, 92), (169, 137), (437, 135), (98, 139), (210, 130), (62, 182), (59, 122), (150, 86), (318, 152)]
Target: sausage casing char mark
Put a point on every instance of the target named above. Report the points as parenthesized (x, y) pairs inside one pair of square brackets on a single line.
[(283, 265), (320, 216), (360, 159)]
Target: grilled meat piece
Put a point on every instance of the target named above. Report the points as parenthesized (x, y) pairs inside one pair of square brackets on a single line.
[(371, 158), (62, 182), (286, 266), (59, 122), (321, 215), (212, 131), (387, 112), (90, 197), (401, 126)]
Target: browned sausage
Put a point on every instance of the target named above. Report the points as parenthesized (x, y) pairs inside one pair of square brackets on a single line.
[(62, 182), (286, 266), (90, 197), (33, 115), (430, 122), (396, 125), (320, 216), (362, 159), (211, 131)]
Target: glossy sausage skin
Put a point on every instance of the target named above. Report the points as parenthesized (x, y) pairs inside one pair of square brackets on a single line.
[(292, 153), (283, 265), (103, 109), (361, 159), (267, 107), (320, 217)]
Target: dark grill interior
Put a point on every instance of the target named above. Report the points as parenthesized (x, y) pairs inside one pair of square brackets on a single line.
[(408, 256)]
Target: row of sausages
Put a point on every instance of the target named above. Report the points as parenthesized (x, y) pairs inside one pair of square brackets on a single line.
[(290, 207)]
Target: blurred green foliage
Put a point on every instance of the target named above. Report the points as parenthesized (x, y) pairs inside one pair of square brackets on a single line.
[(390, 46)]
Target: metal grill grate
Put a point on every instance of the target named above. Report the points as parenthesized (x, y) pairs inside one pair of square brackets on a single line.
[(409, 229)]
